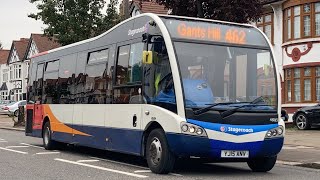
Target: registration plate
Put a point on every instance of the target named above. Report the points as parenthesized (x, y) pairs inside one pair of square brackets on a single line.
[(234, 154)]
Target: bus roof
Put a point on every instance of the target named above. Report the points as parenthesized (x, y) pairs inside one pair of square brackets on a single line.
[(150, 15)]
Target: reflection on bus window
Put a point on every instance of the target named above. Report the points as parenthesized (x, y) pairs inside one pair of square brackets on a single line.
[(215, 74)]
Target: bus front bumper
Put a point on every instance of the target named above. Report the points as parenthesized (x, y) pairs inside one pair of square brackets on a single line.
[(186, 146)]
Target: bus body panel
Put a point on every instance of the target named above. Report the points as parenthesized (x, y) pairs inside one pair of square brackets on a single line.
[(120, 127)]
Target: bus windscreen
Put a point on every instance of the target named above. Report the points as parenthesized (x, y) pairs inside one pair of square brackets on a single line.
[(215, 32)]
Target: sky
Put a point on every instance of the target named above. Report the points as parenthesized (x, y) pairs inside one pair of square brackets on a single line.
[(15, 23)]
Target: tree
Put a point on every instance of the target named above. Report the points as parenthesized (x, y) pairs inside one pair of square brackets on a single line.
[(74, 20), (241, 11), (112, 18)]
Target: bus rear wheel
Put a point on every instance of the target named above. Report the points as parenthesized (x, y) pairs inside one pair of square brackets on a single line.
[(264, 164), (159, 157), (48, 143)]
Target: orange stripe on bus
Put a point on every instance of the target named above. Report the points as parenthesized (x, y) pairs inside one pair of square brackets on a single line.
[(58, 126)]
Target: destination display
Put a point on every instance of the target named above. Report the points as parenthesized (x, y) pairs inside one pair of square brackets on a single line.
[(217, 32)]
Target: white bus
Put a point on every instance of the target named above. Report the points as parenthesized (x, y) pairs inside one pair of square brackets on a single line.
[(162, 87)]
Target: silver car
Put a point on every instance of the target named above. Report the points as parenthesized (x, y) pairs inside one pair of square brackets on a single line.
[(4, 103)]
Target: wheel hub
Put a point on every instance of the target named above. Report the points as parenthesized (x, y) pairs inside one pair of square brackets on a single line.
[(46, 135), (155, 151), (301, 122)]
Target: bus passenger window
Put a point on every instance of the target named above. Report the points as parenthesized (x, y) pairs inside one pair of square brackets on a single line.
[(96, 78), (129, 74), (50, 79), (39, 81)]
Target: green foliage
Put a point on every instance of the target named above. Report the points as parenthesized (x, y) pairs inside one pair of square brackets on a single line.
[(75, 20), (241, 11)]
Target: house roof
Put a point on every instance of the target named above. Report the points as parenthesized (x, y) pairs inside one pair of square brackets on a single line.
[(149, 7), (21, 47), (4, 54), (3, 87), (44, 43)]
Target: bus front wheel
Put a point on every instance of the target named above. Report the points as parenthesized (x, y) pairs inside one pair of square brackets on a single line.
[(48, 143), (159, 157), (264, 164)]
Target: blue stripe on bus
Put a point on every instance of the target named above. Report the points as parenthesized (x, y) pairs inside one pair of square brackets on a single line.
[(233, 129), (186, 145), (121, 140)]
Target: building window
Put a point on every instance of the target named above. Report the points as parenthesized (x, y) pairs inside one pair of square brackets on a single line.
[(302, 85), (15, 72), (302, 21), (265, 23), (5, 75)]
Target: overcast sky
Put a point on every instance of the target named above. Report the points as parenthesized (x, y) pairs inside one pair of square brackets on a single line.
[(15, 23)]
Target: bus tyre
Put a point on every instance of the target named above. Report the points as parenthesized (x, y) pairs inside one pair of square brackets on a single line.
[(159, 157), (264, 164), (48, 143)]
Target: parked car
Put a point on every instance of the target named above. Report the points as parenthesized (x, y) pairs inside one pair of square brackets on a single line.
[(284, 115), (4, 109), (305, 117), (13, 108)]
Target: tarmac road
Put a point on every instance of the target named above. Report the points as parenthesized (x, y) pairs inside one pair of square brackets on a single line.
[(23, 157)]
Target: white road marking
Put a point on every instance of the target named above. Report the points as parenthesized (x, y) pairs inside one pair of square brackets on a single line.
[(149, 171), (88, 160), (116, 162), (2, 139), (16, 146), (101, 168), (43, 153), (143, 171), (175, 174), (289, 147), (30, 145), (21, 152), (288, 163)]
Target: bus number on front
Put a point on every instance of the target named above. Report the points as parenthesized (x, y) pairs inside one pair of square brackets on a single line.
[(235, 36)]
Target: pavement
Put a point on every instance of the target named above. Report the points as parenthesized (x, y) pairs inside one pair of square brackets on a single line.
[(301, 148)]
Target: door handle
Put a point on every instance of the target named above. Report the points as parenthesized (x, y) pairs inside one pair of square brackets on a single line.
[(134, 121)]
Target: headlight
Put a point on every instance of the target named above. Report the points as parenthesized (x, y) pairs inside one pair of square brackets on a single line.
[(184, 128), (191, 129), (275, 133)]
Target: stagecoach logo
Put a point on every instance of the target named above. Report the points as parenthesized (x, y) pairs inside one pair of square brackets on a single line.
[(236, 130), (143, 29)]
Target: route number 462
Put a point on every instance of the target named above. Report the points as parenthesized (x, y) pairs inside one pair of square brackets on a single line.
[(235, 36)]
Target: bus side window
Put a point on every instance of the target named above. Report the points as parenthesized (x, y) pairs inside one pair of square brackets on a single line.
[(32, 83), (129, 74), (96, 80), (66, 79), (39, 82), (50, 79)]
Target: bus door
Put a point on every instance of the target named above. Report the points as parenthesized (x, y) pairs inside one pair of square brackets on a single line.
[(38, 109), (124, 115)]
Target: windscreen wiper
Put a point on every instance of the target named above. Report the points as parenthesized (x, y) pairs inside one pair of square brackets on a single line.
[(232, 111), (206, 109)]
